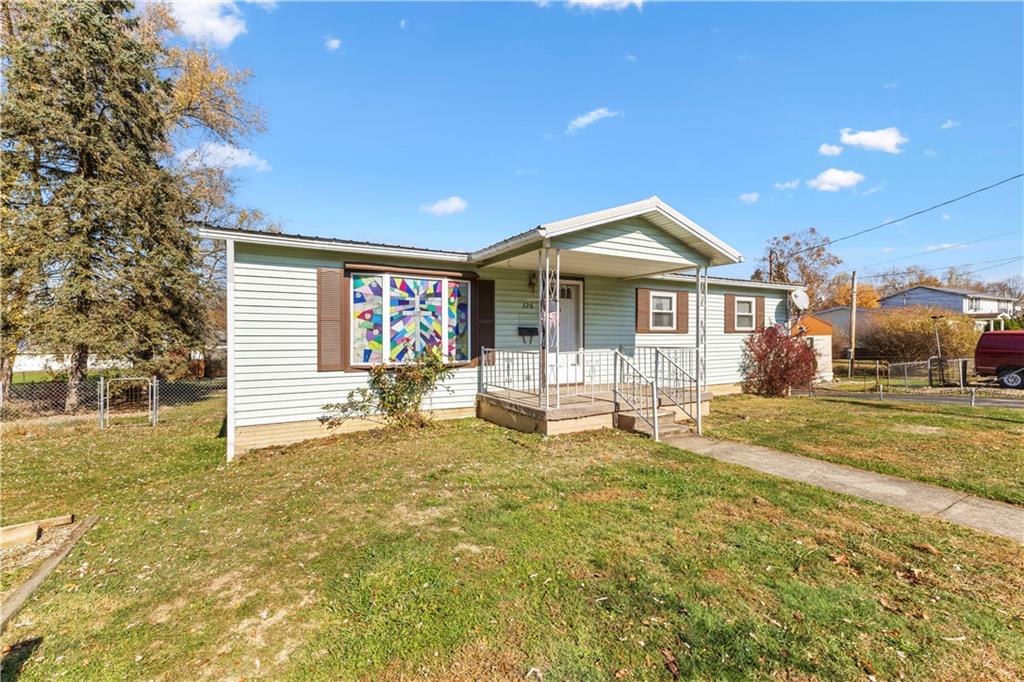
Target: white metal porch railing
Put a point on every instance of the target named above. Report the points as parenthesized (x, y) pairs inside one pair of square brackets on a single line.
[(644, 377)]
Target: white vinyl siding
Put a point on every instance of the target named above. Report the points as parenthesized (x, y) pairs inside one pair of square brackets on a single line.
[(276, 377), (275, 372), (634, 238)]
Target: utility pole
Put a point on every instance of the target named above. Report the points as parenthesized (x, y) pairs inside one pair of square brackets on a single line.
[(853, 323)]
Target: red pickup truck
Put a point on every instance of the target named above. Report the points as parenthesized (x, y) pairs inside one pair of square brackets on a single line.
[(1001, 354)]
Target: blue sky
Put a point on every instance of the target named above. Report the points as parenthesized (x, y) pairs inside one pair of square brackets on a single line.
[(377, 112)]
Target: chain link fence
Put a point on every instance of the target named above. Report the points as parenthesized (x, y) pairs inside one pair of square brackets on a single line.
[(124, 399)]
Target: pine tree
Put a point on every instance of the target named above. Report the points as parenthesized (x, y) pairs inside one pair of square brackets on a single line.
[(88, 188)]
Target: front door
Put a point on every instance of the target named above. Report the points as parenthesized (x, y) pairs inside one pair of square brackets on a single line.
[(570, 336)]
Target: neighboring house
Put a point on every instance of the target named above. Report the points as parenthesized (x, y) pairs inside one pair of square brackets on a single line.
[(988, 310), (838, 317), (818, 333), (627, 297)]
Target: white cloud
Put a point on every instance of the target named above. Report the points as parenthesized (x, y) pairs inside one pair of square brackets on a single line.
[(332, 43), (750, 197), (786, 185), (583, 120), (930, 152), (869, 192), (215, 21), (222, 155), (617, 5), (403, 23), (943, 246), (884, 140), (946, 216), (888, 249), (448, 206), (267, 5), (833, 180), (630, 57), (891, 86), (827, 149), (950, 124)]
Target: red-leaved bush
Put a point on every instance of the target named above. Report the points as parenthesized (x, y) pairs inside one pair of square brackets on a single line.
[(773, 362)]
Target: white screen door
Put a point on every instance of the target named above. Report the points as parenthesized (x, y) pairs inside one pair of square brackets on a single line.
[(570, 336)]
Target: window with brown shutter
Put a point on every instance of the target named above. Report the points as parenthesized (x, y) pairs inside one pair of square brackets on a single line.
[(682, 312), (759, 315), (330, 337), (643, 311), (730, 314), (482, 322)]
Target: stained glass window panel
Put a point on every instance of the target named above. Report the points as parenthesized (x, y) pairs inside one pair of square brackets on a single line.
[(367, 320), (458, 321), (415, 324)]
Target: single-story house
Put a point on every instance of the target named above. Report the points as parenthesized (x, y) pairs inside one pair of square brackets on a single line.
[(989, 311), (818, 334), (604, 318), (838, 317)]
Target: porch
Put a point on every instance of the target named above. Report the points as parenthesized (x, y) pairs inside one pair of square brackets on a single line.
[(650, 390), (616, 343)]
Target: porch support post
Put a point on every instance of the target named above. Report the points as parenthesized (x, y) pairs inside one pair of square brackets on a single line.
[(542, 381), (558, 326), (702, 338)]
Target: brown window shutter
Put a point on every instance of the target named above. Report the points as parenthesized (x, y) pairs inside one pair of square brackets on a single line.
[(730, 314), (759, 313), (682, 312), (482, 314), (643, 311), (330, 345)]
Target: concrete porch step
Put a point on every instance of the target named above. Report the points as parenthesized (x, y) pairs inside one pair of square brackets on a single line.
[(667, 425)]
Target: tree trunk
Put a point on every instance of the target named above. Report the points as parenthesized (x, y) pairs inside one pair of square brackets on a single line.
[(77, 370), (6, 374)]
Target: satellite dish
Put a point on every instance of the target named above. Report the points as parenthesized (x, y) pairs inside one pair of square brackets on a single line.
[(799, 299)]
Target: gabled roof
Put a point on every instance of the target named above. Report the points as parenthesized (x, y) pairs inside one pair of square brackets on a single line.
[(971, 293), (652, 209)]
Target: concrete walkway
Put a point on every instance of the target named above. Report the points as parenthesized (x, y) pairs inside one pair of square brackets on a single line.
[(968, 510)]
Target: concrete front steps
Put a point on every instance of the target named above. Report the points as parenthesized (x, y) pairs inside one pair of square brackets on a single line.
[(670, 423)]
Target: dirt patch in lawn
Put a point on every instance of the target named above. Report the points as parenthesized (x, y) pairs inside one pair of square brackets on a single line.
[(920, 429), (607, 495)]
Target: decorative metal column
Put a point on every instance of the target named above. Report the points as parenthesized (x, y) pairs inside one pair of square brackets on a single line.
[(548, 290), (702, 341)]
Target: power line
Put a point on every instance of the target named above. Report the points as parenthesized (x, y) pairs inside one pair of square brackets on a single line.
[(910, 215), (998, 262), (937, 250)]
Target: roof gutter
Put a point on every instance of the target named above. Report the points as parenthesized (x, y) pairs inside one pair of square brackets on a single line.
[(271, 239)]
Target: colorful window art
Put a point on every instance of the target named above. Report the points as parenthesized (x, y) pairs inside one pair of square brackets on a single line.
[(458, 320), (421, 313), (415, 317), (367, 321)]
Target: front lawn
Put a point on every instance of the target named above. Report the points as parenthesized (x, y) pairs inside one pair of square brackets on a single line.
[(467, 551), (979, 450)]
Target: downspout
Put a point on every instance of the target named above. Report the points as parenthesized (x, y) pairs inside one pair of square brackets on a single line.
[(230, 303)]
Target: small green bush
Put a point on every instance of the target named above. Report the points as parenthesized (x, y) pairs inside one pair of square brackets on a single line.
[(395, 392)]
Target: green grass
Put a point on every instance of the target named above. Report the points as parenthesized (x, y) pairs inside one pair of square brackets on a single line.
[(467, 551), (977, 450)]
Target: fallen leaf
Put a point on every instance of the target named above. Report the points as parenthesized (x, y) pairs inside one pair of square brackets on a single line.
[(839, 559), (670, 663), (925, 547)]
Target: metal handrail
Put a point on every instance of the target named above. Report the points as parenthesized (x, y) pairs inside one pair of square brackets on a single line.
[(691, 385), (617, 393)]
